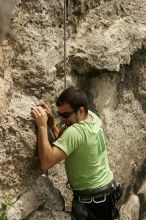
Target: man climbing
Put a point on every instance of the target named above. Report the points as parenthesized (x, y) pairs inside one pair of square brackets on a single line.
[(82, 144)]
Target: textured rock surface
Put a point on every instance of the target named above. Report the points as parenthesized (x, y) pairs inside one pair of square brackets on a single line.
[(106, 49), (130, 211), (142, 198), (108, 36), (42, 193), (6, 8)]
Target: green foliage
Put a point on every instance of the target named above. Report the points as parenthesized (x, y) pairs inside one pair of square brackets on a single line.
[(5, 203)]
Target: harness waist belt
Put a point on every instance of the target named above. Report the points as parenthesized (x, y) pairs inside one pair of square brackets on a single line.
[(105, 190)]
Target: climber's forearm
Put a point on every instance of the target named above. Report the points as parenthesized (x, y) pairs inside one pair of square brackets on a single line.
[(44, 147), (55, 131)]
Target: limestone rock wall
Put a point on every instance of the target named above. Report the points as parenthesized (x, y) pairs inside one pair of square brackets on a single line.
[(106, 55)]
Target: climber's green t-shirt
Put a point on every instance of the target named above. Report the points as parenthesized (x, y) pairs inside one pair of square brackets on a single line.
[(86, 163)]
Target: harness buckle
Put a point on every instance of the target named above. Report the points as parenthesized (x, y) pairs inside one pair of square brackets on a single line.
[(89, 199), (99, 201), (83, 199)]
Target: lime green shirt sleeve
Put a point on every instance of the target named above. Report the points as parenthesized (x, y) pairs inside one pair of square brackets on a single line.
[(69, 140)]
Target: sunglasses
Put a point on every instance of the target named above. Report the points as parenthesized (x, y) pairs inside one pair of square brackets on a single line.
[(66, 114)]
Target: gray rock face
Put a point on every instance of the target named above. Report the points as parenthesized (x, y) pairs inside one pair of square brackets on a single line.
[(6, 8), (108, 36), (131, 209), (42, 193), (106, 57), (142, 199)]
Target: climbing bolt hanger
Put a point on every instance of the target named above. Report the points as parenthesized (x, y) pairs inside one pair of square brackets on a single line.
[(65, 58)]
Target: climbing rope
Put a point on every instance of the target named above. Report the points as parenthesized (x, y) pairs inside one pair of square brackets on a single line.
[(65, 58)]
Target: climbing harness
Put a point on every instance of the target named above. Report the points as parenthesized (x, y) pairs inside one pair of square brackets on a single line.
[(86, 198)]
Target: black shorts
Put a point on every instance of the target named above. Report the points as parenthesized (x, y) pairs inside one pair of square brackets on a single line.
[(94, 211)]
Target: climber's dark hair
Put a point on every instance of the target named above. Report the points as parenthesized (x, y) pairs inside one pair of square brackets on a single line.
[(74, 97)]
